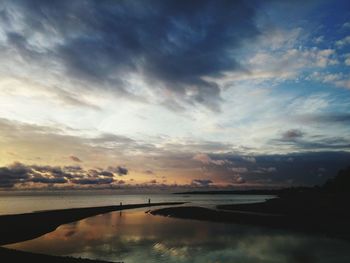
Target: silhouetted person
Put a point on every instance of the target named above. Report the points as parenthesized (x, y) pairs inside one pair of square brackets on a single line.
[(149, 200), (121, 203)]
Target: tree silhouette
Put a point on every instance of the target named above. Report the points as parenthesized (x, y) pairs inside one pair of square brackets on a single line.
[(340, 183)]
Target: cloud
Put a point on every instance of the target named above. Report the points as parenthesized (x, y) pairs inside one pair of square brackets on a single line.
[(46, 180), (106, 173), (289, 63), (54, 171), (292, 134), (170, 46), (239, 169), (118, 170), (340, 80), (326, 118), (201, 182), (93, 181), (249, 159), (276, 169), (108, 138), (13, 174), (347, 59), (237, 179), (343, 42), (318, 40), (18, 174), (280, 55), (264, 170), (205, 159), (325, 143), (178, 160), (75, 159), (73, 168), (316, 142)]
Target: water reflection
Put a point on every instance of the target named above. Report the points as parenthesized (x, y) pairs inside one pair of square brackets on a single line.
[(134, 236)]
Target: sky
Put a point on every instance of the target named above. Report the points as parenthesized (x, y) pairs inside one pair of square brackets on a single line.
[(170, 95)]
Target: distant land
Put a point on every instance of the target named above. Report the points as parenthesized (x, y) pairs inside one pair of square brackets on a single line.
[(249, 192)]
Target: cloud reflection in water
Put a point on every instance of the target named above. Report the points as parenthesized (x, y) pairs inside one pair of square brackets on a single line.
[(134, 236)]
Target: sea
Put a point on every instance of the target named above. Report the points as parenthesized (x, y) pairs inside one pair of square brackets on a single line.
[(26, 202)]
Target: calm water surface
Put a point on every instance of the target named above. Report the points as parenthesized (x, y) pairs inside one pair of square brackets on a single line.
[(133, 236), (26, 202)]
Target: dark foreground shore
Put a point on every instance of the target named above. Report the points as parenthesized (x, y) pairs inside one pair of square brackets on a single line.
[(21, 227), (302, 215), (10, 255)]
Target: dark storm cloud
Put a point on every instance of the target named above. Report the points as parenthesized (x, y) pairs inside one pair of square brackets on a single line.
[(19, 173), (106, 173), (55, 171), (118, 170), (122, 171), (307, 168), (172, 44), (13, 174), (93, 181), (46, 180)]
